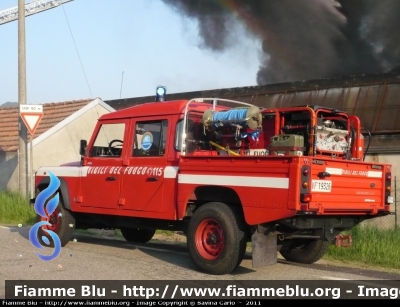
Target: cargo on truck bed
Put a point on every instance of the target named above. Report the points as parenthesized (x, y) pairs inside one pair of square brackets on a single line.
[(225, 173)]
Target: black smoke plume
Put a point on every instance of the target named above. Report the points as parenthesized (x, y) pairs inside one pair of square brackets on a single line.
[(304, 39)]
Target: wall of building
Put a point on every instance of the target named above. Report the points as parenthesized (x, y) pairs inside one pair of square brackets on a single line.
[(8, 170), (391, 220), (58, 145)]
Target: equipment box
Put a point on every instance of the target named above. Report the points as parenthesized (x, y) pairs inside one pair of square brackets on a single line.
[(287, 144)]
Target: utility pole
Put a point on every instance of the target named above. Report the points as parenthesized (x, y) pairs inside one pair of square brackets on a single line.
[(22, 152)]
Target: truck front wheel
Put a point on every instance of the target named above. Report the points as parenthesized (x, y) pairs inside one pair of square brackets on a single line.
[(307, 251), (62, 223), (216, 238), (137, 235)]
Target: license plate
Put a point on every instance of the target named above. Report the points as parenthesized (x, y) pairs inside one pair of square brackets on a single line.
[(321, 186)]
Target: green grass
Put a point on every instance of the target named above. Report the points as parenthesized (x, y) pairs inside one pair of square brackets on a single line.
[(370, 246), (15, 209)]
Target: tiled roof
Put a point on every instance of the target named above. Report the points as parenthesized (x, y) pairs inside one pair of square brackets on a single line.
[(53, 113)]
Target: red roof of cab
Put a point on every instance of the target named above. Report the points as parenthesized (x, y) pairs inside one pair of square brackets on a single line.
[(156, 108)]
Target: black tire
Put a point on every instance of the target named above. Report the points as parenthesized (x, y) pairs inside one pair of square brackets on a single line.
[(309, 252), (216, 238), (63, 224), (137, 235)]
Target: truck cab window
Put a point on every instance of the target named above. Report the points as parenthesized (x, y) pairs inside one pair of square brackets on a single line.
[(150, 138), (109, 141), (195, 134), (178, 135)]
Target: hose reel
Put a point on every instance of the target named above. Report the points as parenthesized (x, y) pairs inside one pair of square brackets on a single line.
[(250, 117)]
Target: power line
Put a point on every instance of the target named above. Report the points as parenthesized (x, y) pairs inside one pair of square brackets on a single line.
[(122, 80), (80, 61), (76, 48)]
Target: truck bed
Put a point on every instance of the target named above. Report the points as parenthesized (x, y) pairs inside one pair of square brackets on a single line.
[(269, 187)]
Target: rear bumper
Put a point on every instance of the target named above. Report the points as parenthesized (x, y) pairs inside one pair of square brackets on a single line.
[(306, 222), (343, 213)]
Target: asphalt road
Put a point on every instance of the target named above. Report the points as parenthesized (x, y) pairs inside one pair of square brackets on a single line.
[(100, 258)]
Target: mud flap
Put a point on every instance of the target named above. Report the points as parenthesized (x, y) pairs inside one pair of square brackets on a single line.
[(264, 248)]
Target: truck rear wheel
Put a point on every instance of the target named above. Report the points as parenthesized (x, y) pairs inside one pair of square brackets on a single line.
[(137, 235), (62, 223), (309, 251), (216, 238)]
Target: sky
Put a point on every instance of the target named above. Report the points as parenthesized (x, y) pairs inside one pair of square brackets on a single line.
[(140, 44), (126, 48)]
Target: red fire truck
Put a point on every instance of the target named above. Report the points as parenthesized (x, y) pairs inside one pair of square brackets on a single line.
[(224, 172)]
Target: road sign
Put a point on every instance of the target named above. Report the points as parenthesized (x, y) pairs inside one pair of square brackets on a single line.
[(31, 115)]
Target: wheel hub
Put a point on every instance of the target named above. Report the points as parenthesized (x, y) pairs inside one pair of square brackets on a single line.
[(54, 220), (210, 239)]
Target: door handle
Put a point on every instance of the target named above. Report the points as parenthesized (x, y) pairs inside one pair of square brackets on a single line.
[(152, 179), (111, 178)]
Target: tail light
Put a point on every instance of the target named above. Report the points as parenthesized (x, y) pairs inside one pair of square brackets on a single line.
[(388, 188), (305, 195), (305, 198)]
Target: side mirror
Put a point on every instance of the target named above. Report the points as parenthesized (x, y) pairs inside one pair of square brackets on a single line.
[(82, 148)]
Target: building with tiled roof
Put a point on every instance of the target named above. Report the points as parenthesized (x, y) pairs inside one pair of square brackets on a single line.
[(373, 98), (56, 139)]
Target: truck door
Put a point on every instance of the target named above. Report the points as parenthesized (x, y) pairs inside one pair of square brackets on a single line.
[(101, 183), (143, 178)]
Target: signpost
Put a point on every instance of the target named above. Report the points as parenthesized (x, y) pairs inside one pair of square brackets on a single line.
[(31, 116)]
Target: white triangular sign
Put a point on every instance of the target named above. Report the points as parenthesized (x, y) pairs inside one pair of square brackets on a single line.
[(31, 121)]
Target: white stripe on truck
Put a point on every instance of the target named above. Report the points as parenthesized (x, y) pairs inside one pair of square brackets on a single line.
[(172, 172), (81, 171), (240, 181), (63, 171), (334, 171), (340, 171), (374, 174)]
